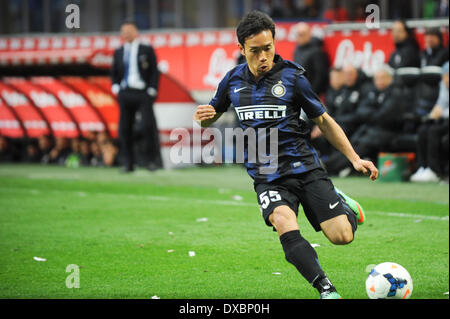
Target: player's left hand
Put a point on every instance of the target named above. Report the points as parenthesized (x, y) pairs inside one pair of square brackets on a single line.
[(367, 168)]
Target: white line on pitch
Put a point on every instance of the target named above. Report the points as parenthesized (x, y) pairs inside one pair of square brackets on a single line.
[(406, 215), (221, 202)]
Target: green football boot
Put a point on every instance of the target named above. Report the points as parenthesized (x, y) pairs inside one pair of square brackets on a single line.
[(354, 205), (326, 288), (330, 295)]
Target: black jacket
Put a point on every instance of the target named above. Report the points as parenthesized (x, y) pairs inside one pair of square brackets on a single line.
[(383, 109), (333, 99), (437, 56), (316, 63), (344, 106), (146, 64), (406, 54)]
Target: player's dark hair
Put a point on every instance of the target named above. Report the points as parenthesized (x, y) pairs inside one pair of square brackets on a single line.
[(253, 23)]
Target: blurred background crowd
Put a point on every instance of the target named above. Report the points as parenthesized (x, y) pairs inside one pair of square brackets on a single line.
[(20, 16), (401, 108), (95, 150)]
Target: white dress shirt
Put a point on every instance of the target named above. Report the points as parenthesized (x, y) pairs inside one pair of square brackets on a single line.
[(134, 79)]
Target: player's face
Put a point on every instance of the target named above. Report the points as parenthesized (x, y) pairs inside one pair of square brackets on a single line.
[(259, 51)]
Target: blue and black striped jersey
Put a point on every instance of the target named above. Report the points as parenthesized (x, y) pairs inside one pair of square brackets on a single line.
[(275, 101)]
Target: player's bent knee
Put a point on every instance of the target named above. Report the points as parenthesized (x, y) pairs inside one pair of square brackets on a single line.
[(338, 230), (283, 219), (347, 237), (343, 237)]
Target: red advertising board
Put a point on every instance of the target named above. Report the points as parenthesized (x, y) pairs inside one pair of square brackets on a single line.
[(35, 125), (198, 59)]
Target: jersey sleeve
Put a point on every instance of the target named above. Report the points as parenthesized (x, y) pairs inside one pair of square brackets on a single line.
[(221, 100), (307, 99)]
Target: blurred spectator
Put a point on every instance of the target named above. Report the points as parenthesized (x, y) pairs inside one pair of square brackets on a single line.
[(102, 137), (85, 152), (284, 9), (407, 51), (333, 99), (356, 87), (442, 9), (430, 144), (336, 12), (75, 144), (277, 10), (32, 152), (91, 136), (45, 143), (434, 52), (8, 152), (421, 89), (61, 151), (310, 54), (399, 9), (309, 10), (74, 158), (381, 113), (96, 159), (333, 96), (109, 153), (359, 11), (108, 150)]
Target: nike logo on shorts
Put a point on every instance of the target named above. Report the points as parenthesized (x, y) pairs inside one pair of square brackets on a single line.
[(332, 206)]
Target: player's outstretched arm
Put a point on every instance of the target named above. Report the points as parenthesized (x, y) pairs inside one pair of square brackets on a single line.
[(336, 136), (205, 115)]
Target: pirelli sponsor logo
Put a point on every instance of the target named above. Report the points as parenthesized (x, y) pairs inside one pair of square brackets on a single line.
[(261, 112)]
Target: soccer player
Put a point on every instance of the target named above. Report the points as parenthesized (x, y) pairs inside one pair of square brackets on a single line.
[(259, 89)]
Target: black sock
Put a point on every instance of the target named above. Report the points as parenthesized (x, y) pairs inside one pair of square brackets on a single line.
[(301, 254)]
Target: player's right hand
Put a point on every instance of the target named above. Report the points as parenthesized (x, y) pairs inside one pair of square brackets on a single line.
[(367, 168), (204, 112)]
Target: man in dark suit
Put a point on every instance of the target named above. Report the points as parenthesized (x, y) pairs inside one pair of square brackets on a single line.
[(309, 54), (135, 79)]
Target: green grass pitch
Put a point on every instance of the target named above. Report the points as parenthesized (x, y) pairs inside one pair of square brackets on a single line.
[(131, 236)]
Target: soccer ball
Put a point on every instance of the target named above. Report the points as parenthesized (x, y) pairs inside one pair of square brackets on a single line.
[(389, 281)]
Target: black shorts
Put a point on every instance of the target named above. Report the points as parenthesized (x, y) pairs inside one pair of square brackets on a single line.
[(313, 190)]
